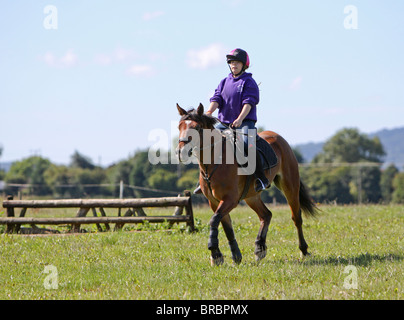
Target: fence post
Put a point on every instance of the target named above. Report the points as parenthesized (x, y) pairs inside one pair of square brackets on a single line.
[(121, 189), (189, 212), (178, 210), (81, 213), (10, 213)]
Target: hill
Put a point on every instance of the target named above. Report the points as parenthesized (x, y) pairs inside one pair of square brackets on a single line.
[(392, 140)]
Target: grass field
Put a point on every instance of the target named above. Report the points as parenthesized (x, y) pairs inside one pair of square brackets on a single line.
[(157, 263)]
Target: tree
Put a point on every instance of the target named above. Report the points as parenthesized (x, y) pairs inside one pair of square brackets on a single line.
[(82, 177), (55, 176), (163, 179), (386, 182), (298, 155), (398, 184), (121, 172), (80, 161), (365, 184), (349, 145), (30, 171), (188, 180), (328, 183), (141, 169)]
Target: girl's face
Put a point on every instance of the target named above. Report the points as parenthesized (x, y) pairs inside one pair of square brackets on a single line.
[(236, 66)]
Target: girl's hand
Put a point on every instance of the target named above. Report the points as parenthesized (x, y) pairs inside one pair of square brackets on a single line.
[(244, 112), (237, 123)]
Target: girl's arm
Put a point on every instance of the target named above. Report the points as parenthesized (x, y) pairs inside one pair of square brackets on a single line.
[(244, 112), (213, 106)]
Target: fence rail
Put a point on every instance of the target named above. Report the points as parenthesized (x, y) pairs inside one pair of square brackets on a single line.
[(121, 185), (93, 220), (92, 203), (134, 206)]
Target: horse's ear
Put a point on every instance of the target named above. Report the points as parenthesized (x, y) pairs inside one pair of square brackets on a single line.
[(181, 111), (200, 109)]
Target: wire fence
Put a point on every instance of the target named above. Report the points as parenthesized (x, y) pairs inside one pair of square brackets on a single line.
[(121, 185), (359, 174)]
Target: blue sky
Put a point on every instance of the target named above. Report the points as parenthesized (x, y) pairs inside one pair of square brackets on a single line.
[(113, 71)]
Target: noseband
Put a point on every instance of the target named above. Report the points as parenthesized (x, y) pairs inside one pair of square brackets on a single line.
[(185, 140)]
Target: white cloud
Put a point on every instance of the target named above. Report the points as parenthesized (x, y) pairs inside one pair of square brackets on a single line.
[(143, 70), (147, 16), (118, 55), (123, 55), (206, 57), (49, 59), (296, 83), (103, 59), (136, 63), (68, 60)]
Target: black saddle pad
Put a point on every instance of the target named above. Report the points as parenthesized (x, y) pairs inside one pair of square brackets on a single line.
[(267, 154), (264, 150)]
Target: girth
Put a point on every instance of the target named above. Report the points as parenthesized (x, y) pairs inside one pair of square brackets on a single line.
[(207, 178)]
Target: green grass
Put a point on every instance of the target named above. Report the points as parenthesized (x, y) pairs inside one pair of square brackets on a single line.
[(174, 264)]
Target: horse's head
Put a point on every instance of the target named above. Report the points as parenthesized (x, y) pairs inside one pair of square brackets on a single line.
[(191, 125)]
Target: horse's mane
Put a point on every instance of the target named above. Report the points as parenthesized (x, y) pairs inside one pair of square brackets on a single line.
[(206, 121)]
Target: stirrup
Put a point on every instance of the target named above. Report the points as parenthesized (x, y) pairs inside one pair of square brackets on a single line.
[(260, 185), (198, 190)]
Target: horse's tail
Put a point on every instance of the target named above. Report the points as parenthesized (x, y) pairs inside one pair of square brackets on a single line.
[(306, 202)]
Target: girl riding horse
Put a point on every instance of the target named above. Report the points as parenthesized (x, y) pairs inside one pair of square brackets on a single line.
[(223, 186)]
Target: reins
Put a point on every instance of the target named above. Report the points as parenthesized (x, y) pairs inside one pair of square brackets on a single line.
[(206, 176)]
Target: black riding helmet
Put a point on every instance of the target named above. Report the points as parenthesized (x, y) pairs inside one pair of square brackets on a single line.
[(239, 55)]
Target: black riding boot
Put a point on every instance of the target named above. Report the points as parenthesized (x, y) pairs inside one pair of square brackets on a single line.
[(261, 182)]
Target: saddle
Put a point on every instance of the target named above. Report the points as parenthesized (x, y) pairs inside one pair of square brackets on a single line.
[(267, 153), (263, 149)]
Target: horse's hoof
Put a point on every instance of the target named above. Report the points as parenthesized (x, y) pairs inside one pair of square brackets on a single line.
[(260, 252), (237, 260), (216, 261), (260, 255), (304, 256)]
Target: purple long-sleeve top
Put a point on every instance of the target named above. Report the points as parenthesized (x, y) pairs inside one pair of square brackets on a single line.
[(233, 93)]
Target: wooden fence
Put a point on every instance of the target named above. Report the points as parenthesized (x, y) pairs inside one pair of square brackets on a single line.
[(133, 206)]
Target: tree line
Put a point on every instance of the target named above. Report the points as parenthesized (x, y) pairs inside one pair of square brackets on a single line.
[(347, 170)]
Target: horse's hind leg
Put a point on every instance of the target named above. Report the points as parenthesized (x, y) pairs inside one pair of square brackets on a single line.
[(228, 229), (265, 216), (291, 192)]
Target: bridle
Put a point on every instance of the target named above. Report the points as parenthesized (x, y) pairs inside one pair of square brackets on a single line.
[(204, 167)]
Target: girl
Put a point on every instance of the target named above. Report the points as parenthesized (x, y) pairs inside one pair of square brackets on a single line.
[(236, 97)]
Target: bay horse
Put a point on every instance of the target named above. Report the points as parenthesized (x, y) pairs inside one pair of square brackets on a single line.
[(223, 186)]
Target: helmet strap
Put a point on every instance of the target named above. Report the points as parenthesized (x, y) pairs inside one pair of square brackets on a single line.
[(240, 73)]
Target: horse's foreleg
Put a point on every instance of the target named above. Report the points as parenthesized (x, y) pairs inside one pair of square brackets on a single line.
[(213, 244), (228, 229), (222, 210)]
